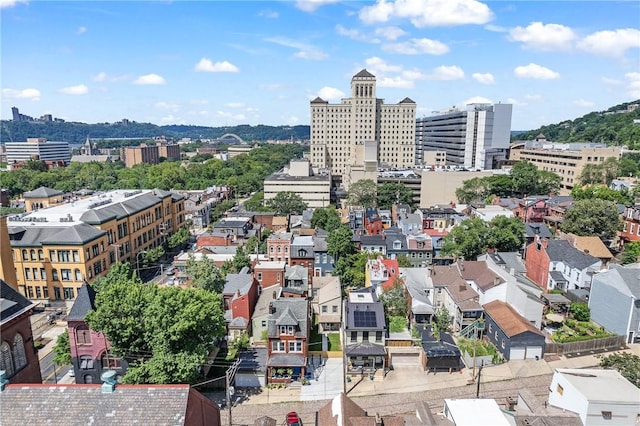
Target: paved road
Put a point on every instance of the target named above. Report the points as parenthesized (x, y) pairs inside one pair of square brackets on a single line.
[(50, 372)]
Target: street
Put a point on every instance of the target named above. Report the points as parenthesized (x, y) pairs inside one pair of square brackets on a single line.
[(50, 372)]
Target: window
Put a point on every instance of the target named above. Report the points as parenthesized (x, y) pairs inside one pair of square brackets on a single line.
[(88, 378), (365, 336), (277, 346), (33, 254), (63, 255), (289, 330), (25, 255), (38, 294), (76, 256), (65, 274), (78, 274), (54, 274), (68, 293), (45, 291), (6, 360), (295, 346), (30, 292), (83, 335), (378, 336), (259, 276), (27, 273), (86, 362), (264, 323), (36, 276), (324, 309), (354, 336), (19, 355), (560, 389), (606, 415), (502, 344), (334, 309)]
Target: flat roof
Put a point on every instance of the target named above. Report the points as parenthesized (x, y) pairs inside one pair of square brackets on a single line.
[(476, 412), (601, 385)]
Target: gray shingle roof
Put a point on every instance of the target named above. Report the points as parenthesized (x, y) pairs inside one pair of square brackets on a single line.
[(37, 404), (238, 282), (533, 229), (42, 192), (562, 251), (286, 360), (85, 302), (119, 210), (290, 311), (54, 235), (364, 73), (364, 349), (11, 302)]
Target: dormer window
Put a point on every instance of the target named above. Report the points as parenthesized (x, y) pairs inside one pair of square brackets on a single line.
[(288, 330)]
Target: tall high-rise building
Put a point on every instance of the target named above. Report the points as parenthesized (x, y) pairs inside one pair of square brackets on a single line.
[(38, 149), (340, 131), (475, 138)]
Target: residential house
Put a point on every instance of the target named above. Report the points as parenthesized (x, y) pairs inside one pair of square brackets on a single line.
[(365, 332), (555, 264), (453, 293), (420, 249), (269, 273), (341, 411), (396, 243), (279, 224), (302, 254), (531, 409), (373, 244), (296, 281), (236, 227), (467, 412), (181, 277), (532, 209), (215, 238), (631, 224), (598, 396), (440, 218), (614, 301), (373, 224), (356, 221), (260, 317), (489, 285), (488, 212), (288, 333), (300, 224), (387, 218), (381, 273), (410, 222), (589, 244), (107, 404), (323, 262), (18, 356), (556, 208), (511, 333), (533, 231), (399, 210), (437, 237), (420, 291), (239, 298), (327, 304), (279, 246), (90, 353)]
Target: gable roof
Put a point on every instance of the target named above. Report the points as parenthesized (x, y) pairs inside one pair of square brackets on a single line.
[(342, 411), (85, 302), (12, 303), (533, 229), (463, 295), (591, 245), (39, 404), (562, 251), (42, 192), (241, 282), (479, 272), (508, 319), (289, 311), (623, 278)]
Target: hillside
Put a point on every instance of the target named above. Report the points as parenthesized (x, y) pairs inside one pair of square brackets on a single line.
[(76, 133), (614, 126)]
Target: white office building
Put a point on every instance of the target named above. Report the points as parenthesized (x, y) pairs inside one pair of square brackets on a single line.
[(37, 149), (340, 131), (475, 138)]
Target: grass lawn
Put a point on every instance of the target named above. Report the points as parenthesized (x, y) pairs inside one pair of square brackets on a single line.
[(482, 348), (334, 341), (576, 331), (397, 324), (315, 340)]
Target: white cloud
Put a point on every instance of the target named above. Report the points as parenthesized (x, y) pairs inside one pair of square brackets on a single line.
[(171, 119), (235, 105), (611, 81), (611, 43), (79, 89), (167, 105), (311, 54), (428, 13), (514, 101), (380, 65), (444, 72), (292, 120), (330, 93), (390, 33), (10, 3), (496, 28), (583, 103), (227, 116), (535, 71), (397, 82), (206, 65), (150, 79), (477, 100), (355, 34), (417, 46), (81, 30), (533, 97), (634, 84), (269, 14), (32, 94), (199, 102), (486, 78), (101, 76), (312, 5), (545, 37), (305, 51)]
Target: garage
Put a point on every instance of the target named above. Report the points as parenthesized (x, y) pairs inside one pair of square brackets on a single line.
[(525, 352), (406, 357), (252, 369), (517, 353), (249, 380)]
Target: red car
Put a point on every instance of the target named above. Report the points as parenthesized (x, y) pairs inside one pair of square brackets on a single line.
[(293, 419)]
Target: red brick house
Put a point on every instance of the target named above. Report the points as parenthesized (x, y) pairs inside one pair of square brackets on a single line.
[(18, 356), (631, 224), (269, 273), (288, 333), (239, 296), (89, 349), (279, 246), (531, 209), (373, 224)]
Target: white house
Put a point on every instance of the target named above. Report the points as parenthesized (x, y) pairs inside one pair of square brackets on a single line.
[(474, 412), (599, 397)]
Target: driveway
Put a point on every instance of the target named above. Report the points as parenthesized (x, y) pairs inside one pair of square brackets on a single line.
[(326, 380)]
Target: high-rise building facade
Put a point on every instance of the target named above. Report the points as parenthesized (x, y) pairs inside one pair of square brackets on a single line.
[(37, 149), (475, 138), (337, 130)]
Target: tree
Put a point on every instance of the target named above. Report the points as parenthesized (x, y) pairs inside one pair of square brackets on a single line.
[(390, 193), (625, 363), (340, 242), (592, 217), (441, 319), (62, 349), (286, 203), (119, 271), (631, 252), (525, 177), (152, 255), (394, 299), (205, 274), (351, 270), (403, 261), (580, 311), (178, 238), (241, 259), (326, 218), (362, 193), (506, 234), (466, 240)]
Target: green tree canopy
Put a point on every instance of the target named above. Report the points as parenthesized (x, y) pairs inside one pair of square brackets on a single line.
[(506, 234), (592, 217), (340, 242), (178, 238), (467, 240), (351, 270), (631, 252), (390, 193), (62, 349), (394, 299), (362, 193), (286, 203), (626, 363), (326, 218), (204, 274)]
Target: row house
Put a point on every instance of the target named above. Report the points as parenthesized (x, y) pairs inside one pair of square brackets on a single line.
[(396, 243), (239, 298), (381, 273), (452, 292), (532, 209), (420, 249), (288, 327), (356, 221), (373, 223), (410, 222), (302, 254), (56, 249), (327, 304), (373, 244), (260, 315), (269, 273), (556, 208), (278, 247), (296, 281), (323, 262), (631, 224), (420, 292), (556, 264), (237, 227), (440, 218)]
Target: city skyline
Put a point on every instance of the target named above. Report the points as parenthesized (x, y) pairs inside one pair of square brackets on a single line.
[(221, 63)]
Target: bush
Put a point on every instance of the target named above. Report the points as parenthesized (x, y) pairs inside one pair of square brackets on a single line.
[(580, 311), (397, 324)]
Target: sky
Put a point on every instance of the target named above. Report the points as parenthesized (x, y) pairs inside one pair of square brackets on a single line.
[(224, 63)]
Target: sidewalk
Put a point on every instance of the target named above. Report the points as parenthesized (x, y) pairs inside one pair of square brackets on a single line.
[(53, 333)]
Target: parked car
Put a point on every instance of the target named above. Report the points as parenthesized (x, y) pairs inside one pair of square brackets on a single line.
[(293, 419), (72, 373)]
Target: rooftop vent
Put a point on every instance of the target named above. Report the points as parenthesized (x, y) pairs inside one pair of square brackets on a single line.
[(109, 381)]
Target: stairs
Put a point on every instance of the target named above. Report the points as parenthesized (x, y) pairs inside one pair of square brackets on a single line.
[(472, 329)]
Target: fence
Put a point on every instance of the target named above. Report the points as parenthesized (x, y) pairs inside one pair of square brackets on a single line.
[(606, 343)]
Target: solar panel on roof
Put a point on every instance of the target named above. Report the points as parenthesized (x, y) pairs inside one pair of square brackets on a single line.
[(364, 319)]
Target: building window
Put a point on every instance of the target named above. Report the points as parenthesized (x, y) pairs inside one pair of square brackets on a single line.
[(78, 275), (65, 274), (27, 273), (365, 336), (6, 360), (264, 323), (83, 335), (324, 309), (295, 346), (378, 336), (354, 336), (54, 274), (277, 346), (63, 256), (40, 255), (606, 415), (25, 255), (38, 294), (259, 276), (334, 309), (86, 362), (289, 330), (68, 293), (560, 389), (76, 256), (19, 355), (30, 292), (45, 291), (33, 254), (88, 378)]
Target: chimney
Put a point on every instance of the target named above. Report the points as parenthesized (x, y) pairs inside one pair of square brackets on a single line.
[(273, 295), (379, 420), (109, 379), (3, 381)]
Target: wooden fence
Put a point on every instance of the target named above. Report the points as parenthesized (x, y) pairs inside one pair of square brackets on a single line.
[(586, 346)]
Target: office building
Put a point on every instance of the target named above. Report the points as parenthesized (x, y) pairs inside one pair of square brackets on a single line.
[(475, 138), (565, 159), (132, 155), (362, 127), (56, 249), (313, 188), (38, 149)]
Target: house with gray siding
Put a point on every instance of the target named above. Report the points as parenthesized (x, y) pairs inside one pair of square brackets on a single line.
[(614, 301)]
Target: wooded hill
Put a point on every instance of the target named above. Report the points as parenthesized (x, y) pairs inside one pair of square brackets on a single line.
[(76, 133), (614, 126)]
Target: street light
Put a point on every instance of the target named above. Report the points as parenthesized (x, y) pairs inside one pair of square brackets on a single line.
[(138, 262)]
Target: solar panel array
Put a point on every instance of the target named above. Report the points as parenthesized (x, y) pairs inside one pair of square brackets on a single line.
[(364, 319)]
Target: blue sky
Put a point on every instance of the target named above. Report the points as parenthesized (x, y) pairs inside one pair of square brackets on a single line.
[(222, 63)]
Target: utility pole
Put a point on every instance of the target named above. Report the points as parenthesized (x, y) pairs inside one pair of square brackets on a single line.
[(478, 383), (230, 376)]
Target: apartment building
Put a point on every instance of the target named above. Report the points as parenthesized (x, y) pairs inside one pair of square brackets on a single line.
[(150, 154), (58, 248), (475, 138), (299, 178), (339, 131), (37, 149), (565, 159)]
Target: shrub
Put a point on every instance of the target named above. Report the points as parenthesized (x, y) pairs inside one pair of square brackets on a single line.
[(580, 311)]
